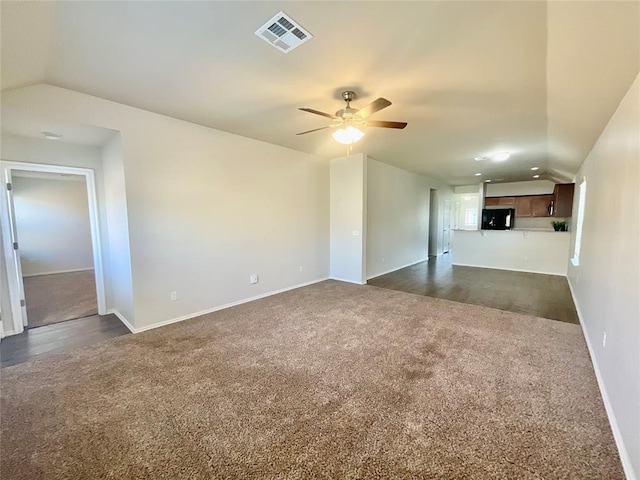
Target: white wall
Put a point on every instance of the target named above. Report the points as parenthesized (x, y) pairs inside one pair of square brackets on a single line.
[(397, 218), (536, 252), (205, 208), (462, 189), (533, 187), (348, 218), (464, 202), (52, 218), (538, 223), (120, 285), (606, 284)]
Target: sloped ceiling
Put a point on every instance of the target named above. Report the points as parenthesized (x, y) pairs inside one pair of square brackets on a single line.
[(537, 79)]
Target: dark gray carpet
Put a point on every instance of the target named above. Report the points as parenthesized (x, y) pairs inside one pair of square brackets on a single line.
[(328, 381), (60, 297)]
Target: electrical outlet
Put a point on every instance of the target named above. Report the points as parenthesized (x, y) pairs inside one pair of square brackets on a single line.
[(604, 339), (173, 296), (253, 278), (301, 268)]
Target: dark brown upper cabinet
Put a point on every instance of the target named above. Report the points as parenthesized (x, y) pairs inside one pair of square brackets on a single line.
[(559, 204), (499, 201), (525, 205), (562, 200), (541, 205)]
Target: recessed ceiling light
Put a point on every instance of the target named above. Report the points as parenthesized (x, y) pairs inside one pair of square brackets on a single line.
[(478, 174), (536, 176), (534, 168), (51, 136), (478, 159), (501, 157), (487, 181)]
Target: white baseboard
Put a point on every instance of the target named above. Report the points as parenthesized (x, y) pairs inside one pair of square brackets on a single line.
[(558, 274), (58, 271), (347, 281), (625, 459), (122, 318), (8, 333), (211, 310), (395, 269)]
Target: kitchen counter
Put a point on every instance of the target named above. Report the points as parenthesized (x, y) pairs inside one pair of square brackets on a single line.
[(537, 251)]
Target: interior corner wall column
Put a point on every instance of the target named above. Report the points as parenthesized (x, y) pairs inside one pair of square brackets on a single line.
[(347, 230)]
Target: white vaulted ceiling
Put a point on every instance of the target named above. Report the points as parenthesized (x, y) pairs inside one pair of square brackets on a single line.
[(537, 79)]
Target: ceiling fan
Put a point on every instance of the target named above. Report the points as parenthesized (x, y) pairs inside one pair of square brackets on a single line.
[(348, 121)]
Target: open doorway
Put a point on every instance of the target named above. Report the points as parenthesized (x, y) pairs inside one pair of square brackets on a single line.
[(56, 254), (53, 251)]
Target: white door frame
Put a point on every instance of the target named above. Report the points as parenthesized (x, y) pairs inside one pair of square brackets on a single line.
[(12, 257)]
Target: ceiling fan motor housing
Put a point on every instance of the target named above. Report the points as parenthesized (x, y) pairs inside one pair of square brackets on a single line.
[(348, 114), (348, 95)]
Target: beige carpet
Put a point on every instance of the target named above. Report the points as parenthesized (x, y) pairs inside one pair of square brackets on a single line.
[(328, 381), (60, 297)]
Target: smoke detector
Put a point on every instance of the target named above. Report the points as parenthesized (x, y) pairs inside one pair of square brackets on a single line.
[(283, 33)]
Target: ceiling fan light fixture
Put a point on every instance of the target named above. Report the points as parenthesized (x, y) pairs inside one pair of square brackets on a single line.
[(347, 135)]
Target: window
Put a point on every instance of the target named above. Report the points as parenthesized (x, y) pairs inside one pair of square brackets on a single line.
[(581, 200)]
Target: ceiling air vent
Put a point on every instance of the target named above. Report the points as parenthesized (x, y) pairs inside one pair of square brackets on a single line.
[(283, 33)]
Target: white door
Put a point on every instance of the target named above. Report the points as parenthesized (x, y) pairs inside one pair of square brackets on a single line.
[(16, 248), (446, 226)]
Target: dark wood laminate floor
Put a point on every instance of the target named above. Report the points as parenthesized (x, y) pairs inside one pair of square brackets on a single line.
[(42, 342), (546, 296)]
